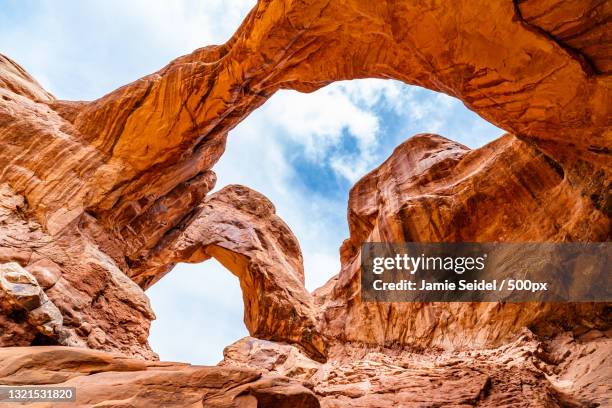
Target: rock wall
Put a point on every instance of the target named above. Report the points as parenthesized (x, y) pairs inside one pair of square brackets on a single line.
[(434, 190)]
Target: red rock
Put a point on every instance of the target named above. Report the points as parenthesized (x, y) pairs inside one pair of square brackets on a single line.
[(584, 31), (21, 294), (239, 227), (269, 356), (112, 380), (110, 194), (46, 272), (435, 190), (527, 371)]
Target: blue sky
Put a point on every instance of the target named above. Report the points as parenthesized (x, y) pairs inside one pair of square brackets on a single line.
[(303, 151)]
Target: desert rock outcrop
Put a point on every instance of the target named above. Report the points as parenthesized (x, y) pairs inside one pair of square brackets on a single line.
[(109, 380), (434, 190), (570, 370), (239, 227), (20, 292), (133, 166)]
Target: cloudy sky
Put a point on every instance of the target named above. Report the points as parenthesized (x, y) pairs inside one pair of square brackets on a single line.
[(303, 151)]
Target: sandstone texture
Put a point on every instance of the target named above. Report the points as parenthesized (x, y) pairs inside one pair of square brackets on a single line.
[(21, 293), (239, 227), (530, 371), (110, 380), (434, 190), (100, 199)]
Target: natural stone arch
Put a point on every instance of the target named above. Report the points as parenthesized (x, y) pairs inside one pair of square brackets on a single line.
[(131, 169), (172, 117), (239, 228)]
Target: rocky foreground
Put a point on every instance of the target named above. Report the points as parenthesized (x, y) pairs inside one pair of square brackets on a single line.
[(569, 371), (99, 200)]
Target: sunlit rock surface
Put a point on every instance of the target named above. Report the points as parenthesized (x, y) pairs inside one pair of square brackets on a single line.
[(434, 190), (104, 379)]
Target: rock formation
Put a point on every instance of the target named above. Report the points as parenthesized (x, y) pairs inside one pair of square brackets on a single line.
[(239, 227), (22, 294), (109, 380), (570, 371), (434, 190), (100, 199)]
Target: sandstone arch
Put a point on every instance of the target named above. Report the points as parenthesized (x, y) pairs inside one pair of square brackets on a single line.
[(98, 187), (239, 228)]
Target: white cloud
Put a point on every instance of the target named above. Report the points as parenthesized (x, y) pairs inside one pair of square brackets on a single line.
[(257, 155), (199, 310), (351, 168), (317, 121), (372, 92), (84, 49)]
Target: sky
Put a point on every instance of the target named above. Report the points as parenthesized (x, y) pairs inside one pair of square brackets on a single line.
[(303, 151)]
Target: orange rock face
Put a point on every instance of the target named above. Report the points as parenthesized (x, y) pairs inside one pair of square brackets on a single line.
[(100, 199), (435, 190), (112, 380)]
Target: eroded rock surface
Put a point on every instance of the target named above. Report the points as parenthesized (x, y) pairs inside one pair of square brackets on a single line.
[(582, 27), (239, 227), (569, 370), (20, 292), (90, 291), (434, 190), (114, 178), (104, 379), (269, 356)]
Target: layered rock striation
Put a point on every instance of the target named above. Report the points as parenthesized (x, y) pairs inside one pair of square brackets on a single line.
[(103, 379), (434, 190)]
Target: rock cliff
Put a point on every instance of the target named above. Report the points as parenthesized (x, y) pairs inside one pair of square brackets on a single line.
[(434, 190), (100, 199)]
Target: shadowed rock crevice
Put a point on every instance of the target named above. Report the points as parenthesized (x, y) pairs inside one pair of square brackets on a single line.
[(582, 27)]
